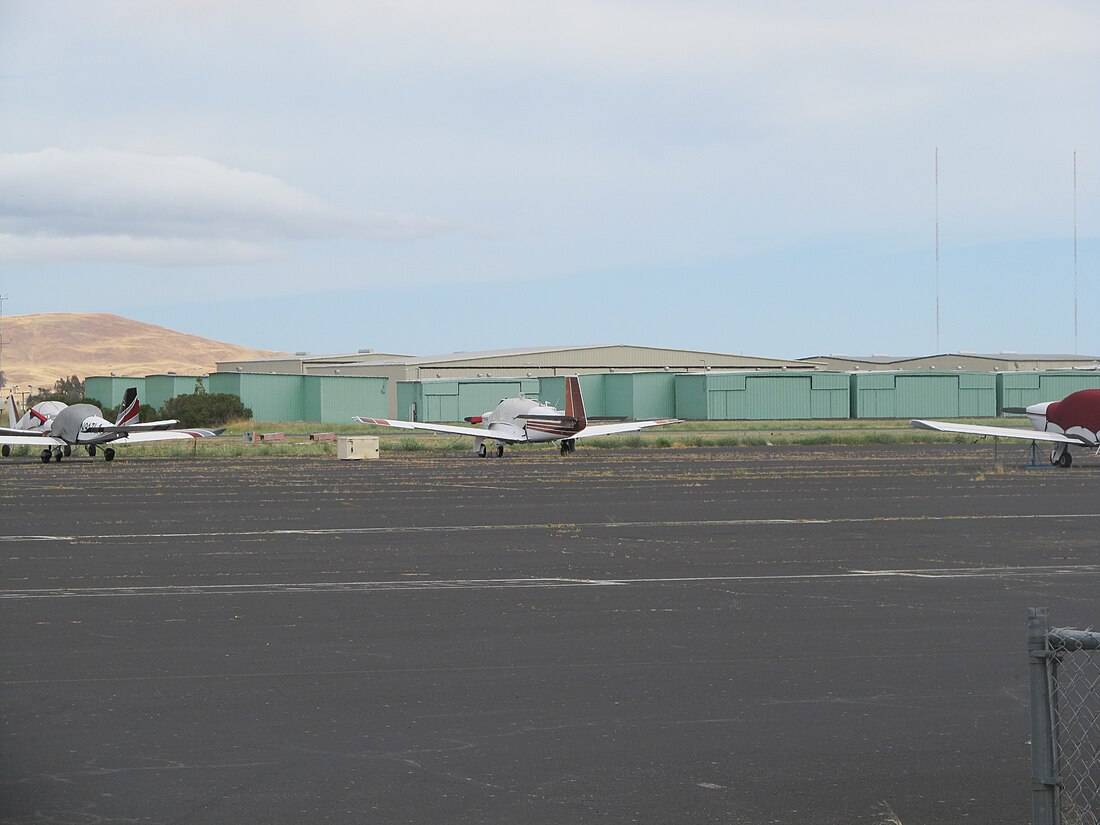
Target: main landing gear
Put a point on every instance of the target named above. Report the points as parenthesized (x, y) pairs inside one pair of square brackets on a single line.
[(568, 445), (58, 452), (482, 452), (1060, 457)]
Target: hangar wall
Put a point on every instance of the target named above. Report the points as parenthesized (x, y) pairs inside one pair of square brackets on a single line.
[(700, 396), (923, 394), (328, 399), (1022, 389), (109, 389)]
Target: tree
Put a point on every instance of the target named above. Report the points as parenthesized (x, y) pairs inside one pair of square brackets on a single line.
[(70, 390), (205, 409)]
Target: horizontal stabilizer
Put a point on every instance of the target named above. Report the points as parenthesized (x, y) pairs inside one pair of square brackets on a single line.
[(561, 419), (623, 427), (476, 432), (135, 428)]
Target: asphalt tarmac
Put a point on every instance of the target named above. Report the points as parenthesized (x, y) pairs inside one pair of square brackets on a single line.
[(789, 635)]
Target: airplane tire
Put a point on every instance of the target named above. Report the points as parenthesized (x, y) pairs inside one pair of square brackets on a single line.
[(91, 450), (108, 454), (6, 450), (57, 455), (68, 450), (46, 456), (1066, 460), (500, 451), (481, 451)]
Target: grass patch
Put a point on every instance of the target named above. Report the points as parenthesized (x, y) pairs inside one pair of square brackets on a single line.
[(686, 435)]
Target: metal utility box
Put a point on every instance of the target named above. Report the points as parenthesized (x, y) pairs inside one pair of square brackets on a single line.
[(357, 447)]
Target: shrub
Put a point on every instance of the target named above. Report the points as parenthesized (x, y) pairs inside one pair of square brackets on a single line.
[(205, 409)]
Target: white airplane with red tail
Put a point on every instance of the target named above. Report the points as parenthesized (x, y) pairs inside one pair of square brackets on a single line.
[(523, 421), (59, 428), (1075, 420)]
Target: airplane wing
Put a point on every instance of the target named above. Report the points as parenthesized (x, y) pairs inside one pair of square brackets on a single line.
[(476, 432), (623, 427), (999, 432), (163, 435), (28, 438)]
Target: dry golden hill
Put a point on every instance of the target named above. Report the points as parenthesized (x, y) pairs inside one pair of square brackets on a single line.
[(39, 349)]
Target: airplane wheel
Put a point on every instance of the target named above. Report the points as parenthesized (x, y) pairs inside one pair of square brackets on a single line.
[(1066, 460), (481, 451), (564, 448), (91, 450), (57, 455), (46, 455), (108, 454), (500, 451), (6, 450), (68, 450)]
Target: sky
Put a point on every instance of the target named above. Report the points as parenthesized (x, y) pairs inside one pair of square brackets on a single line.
[(427, 177)]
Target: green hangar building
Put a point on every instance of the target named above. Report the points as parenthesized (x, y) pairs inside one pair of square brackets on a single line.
[(476, 381)]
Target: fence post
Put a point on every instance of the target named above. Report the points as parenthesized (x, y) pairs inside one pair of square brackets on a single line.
[(1043, 780)]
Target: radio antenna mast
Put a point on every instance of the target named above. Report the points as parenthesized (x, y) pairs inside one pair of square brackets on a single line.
[(1076, 351), (937, 178)]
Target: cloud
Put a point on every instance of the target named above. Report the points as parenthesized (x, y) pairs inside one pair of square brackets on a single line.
[(107, 205)]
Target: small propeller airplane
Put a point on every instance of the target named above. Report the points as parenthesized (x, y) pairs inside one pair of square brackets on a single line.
[(523, 421), (58, 427), (1075, 420)]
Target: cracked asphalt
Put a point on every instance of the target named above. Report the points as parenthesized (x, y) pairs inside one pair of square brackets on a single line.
[(818, 634)]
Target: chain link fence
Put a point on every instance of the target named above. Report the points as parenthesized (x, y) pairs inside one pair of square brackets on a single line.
[(1065, 723)]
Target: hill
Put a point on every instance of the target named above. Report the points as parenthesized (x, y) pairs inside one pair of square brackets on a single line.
[(39, 349)]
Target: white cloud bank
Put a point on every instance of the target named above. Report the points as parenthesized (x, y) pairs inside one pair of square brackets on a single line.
[(100, 205)]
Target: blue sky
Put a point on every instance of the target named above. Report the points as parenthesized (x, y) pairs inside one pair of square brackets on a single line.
[(426, 177)]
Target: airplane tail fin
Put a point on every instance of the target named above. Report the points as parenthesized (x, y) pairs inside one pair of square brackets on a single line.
[(574, 403), (13, 411), (128, 411)]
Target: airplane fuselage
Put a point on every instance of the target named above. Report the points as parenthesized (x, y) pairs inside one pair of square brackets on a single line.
[(526, 420), (1077, 415)]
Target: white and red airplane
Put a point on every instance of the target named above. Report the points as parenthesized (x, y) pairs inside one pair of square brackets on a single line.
[(523, 421), (60, 427), (1075, 420)]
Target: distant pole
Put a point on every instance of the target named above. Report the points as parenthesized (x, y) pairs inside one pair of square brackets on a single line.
[(937, 177), (1076, 351)]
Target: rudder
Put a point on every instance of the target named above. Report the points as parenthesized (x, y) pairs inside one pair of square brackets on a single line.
[(128, 411)]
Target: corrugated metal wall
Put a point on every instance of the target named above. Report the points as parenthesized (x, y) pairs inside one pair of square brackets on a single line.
[(744, 395), (455, 400), (337, 399), (270, 397), (109, 389), (639, 395), (593, 390), (923, 395), (160, 388), (761, 396), (1022, 389)]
